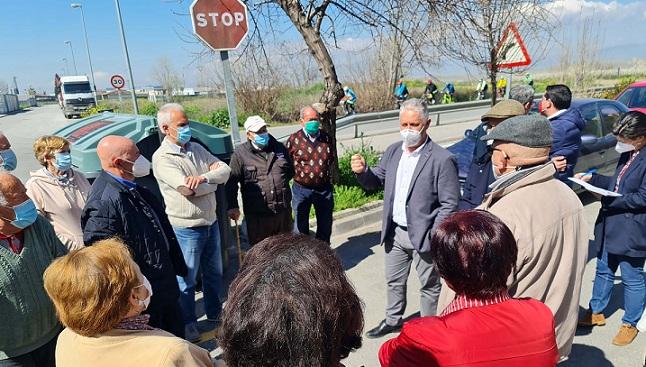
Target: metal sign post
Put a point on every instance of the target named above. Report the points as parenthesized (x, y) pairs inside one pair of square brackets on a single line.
[(118, 82), (231, 101)]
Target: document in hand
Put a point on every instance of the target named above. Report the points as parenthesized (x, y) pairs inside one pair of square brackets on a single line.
[(594, 189)]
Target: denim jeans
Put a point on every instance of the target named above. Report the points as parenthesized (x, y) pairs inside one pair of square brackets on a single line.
[(201, 249), (323, 200), (632, 279)]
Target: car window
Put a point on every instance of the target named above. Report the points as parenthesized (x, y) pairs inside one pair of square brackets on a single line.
[(609, 115), (639, 99), (592, 122), (626, 96)]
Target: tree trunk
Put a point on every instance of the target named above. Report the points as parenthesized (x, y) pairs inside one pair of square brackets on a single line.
[(333, 90)]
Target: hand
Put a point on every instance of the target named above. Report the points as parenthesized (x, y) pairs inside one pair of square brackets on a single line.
[(234, 214), (586, 177), (560, 163), (215, 165), (194, 181), (358, 164), (185, 191)]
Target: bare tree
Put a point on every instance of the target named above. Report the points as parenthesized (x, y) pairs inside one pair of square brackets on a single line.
[(471, 30), (579, 59), (168, 78)]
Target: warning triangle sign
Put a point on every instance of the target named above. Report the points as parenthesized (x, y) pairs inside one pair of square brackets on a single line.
[(511, 49)]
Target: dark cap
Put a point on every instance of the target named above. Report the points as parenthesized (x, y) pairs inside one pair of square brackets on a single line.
[(532, 131)]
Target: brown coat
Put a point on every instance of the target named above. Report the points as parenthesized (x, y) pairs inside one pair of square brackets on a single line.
[(129, 348), (547, 220)]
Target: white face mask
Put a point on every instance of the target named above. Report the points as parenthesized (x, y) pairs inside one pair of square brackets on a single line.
[(140, 167), (146, 301), (624, 147), (411, 137)]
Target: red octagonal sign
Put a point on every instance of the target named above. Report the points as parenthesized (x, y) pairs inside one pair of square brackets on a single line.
[(221, 24)]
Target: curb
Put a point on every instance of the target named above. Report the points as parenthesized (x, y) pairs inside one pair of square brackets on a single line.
[(350, 220)]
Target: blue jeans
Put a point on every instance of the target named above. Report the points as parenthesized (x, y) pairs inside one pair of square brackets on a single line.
[(323, 200), (201, 249), (632, 279)]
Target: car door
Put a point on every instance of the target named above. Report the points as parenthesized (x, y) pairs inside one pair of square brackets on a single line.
[(610, 113), (592, 152)]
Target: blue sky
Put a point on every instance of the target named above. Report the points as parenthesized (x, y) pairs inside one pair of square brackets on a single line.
[(33, 32)]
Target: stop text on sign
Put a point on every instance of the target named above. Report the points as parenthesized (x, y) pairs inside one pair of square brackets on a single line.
[(226, 19)]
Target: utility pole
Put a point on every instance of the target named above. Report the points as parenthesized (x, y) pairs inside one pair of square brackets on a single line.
[(76, 72), (125, 51), (87, 48)]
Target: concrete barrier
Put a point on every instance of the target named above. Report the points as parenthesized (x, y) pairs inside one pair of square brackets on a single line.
[(9, 103)]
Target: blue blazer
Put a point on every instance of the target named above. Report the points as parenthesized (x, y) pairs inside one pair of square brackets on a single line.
[(621, 224), (432, 196)]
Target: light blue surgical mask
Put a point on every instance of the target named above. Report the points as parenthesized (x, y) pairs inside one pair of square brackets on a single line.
[(261, 139), (26, 214), (63, 161), (183, 134), (9, 160)]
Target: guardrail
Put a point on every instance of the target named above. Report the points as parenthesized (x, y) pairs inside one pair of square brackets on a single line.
[(436, 111)]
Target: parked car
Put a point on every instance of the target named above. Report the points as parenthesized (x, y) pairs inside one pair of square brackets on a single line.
[(597, 148), (634, 96)]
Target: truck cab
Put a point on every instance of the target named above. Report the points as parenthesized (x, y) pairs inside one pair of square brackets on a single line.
[(75, 95)]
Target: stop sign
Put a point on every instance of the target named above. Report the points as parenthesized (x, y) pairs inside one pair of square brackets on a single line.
[(221, 24)]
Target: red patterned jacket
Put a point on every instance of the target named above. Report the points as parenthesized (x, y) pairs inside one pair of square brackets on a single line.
[(312, 160)]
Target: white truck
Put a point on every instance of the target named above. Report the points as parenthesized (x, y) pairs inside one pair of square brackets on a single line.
[(74, 94)]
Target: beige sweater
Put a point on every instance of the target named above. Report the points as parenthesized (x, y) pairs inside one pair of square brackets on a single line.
[(171, 167), (62, 205), (129, 348)]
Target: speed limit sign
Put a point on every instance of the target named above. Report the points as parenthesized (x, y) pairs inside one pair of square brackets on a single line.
[(117, 81)]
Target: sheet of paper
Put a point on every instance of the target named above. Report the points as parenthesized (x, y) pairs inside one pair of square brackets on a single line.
[(594, 189)]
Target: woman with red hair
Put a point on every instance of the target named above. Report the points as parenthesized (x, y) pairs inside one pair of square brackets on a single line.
[(475, 252)]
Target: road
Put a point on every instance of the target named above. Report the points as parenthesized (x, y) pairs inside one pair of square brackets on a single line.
[(23, 128)]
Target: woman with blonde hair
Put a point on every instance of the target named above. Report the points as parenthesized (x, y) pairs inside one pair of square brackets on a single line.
[(59, 191), (99, 294)]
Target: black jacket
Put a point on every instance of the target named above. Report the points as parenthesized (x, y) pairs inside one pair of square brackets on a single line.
[(621, 224), (114, 210), (264, 178)]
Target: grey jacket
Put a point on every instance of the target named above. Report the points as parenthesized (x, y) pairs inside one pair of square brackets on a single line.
[(433, 194)]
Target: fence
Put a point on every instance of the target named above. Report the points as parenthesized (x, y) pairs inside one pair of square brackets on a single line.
[(9, 103)]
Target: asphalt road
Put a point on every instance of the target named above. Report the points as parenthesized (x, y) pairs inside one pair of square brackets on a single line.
[(24, 127)]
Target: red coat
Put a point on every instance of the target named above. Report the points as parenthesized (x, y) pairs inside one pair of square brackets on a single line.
[(516, 332)]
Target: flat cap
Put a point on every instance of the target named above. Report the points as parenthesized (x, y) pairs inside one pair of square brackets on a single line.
[(532, 131), (504, 109)]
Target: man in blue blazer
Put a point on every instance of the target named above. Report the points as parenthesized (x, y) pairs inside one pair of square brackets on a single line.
[(420, 180)]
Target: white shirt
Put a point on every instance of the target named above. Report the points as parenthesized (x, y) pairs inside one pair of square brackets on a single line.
[(405, 170), (557, 114)]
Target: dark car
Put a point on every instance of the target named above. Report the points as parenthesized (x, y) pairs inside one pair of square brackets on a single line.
[(597, 148)]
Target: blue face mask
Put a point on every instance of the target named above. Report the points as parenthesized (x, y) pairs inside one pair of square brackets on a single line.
[(63, 161), (26, 214), (261, 140), (183, 134), (9, 160)]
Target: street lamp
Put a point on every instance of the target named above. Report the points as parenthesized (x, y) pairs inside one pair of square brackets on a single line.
[(73, 58), (87, 47), (67, 69), (125, 51)]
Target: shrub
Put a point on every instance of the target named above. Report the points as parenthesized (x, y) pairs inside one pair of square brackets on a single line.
[(346, 176), (346, 197), (148, 108), (620, 86), (100, 108)]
